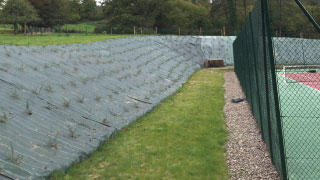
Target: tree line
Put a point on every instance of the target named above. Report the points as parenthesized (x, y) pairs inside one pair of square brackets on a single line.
[(165, 15), (287, 19), (46, 13)]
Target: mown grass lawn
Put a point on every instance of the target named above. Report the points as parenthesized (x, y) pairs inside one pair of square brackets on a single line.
[(183, 138), (54, 39)]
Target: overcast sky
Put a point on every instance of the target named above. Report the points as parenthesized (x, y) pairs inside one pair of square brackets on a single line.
[(98, 2)]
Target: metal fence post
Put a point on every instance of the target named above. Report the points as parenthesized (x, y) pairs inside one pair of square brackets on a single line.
[(275, 90), (256, 74), (266, 76), (248, 68)]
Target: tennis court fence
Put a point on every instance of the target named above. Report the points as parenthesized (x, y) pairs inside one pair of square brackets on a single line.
[(280, 76)]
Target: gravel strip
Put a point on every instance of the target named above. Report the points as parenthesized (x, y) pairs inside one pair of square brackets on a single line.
[(247, 155)]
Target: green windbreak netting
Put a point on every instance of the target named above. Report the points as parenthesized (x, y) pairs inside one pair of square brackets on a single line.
[(277, 60), (296, 49), (254, 66)]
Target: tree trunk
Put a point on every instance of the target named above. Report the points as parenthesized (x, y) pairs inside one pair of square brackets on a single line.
[(15, 28), (245, 8), (280, 28), (25, 28), (60, 29), (228, 18)]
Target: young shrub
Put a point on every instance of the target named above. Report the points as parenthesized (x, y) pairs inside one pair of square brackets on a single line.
[(49, 89), (15, 95), (14, 158), (73, 84), (36, 90), (126, 109), (62, 86), (84, 125), (115, 92), (66, 102), (46, 66), (98, 98), (85, 80), (4, 118), (50, 106), (22, 67), (8, 53), (4, 69), (52, 143), (36, 68), (113, 113), (105, 120), (81, 100), (72, 134), (28, 109), (135, 105)]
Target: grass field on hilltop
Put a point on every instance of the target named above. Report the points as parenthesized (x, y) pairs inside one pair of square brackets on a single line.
[(5, 27), (182, 138), (54, 39), (80, 27)]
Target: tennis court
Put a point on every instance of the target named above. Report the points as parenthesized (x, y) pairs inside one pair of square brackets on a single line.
[(279, 71), (299, 91)]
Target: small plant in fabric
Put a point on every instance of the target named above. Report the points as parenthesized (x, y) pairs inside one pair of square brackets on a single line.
[(4, 69), (66, 102), (4, 118), (53, 143), (98, 98), (8, 54), (28, 109), (135, 105), (13, 157), (72, 133), (81, 100), (36, 90), (105, 120), (15, 95), (73, 84), (49, 89), (22, 67)]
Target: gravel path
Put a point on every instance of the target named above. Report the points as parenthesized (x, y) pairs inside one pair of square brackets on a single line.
[(247, 155)]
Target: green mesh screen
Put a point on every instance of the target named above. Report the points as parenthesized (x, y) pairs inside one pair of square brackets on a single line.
[(296, 49), (277, 60), (255, 68)]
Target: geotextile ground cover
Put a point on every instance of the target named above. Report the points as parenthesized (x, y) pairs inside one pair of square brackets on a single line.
[(60, 102)]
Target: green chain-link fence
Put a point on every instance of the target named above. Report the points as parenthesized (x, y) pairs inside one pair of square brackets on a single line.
[(279, 71), (297, 58)]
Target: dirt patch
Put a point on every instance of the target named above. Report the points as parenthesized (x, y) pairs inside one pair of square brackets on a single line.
[(247, 155)]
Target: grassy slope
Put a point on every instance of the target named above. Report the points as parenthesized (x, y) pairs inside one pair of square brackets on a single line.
[(54, 39), (182, 138)]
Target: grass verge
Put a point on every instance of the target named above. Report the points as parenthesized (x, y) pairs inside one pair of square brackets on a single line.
[(54, 39), (182, 138)]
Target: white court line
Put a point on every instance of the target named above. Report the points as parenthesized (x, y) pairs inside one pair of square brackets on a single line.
[(285, 82)]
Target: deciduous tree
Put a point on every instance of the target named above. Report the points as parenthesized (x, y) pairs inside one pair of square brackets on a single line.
[(18, 12), (54, 12), (88, 9)]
